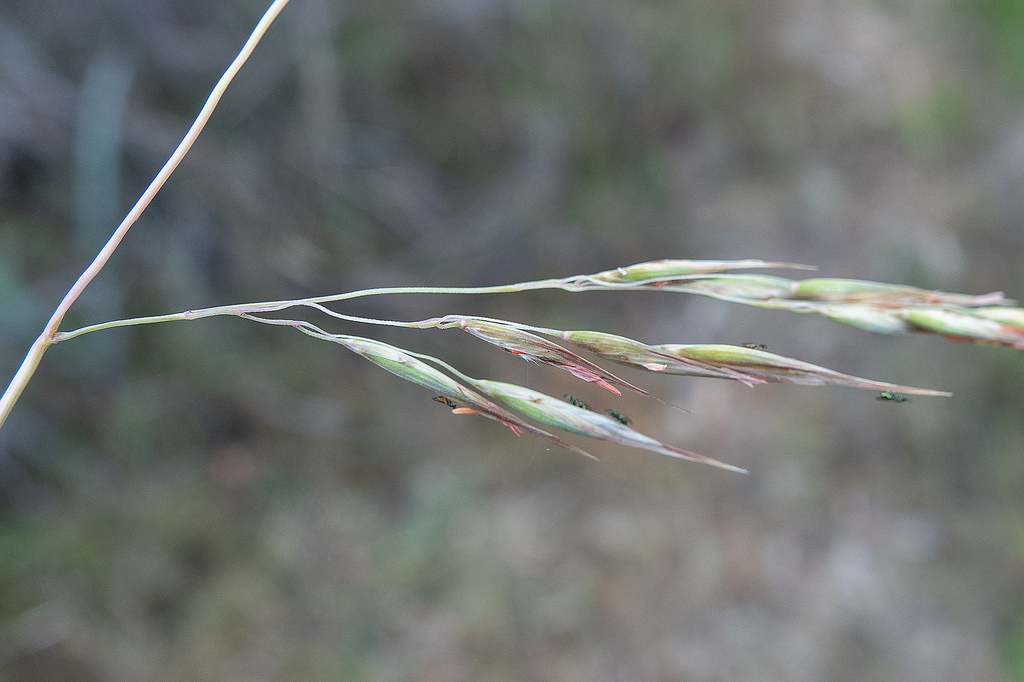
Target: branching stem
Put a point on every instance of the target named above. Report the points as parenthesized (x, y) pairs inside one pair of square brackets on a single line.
[(50, 335)]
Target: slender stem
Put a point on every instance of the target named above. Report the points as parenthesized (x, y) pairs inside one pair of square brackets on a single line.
[(21, 377), (314, 302), (49, 335), (572, 284), (316, 332)]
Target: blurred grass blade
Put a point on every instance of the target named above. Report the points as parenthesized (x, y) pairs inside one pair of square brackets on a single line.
[(567, 417)]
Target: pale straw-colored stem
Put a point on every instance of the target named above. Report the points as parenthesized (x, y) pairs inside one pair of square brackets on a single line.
[(314, 302), (575, 283), (49, 336)]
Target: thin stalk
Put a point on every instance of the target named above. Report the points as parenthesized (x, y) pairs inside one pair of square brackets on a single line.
[(243, 309), (574, 283), (49, 336)]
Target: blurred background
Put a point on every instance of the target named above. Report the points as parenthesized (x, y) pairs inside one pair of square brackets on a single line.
[(219, 500)]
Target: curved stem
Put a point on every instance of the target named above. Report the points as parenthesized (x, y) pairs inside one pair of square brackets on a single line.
[(314, 302), (49, 335), (21, 377)]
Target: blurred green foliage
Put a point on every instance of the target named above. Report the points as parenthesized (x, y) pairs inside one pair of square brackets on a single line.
[(998, 25), (218, 500)]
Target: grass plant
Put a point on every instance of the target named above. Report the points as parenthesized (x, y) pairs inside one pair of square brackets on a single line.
[(885, 308)]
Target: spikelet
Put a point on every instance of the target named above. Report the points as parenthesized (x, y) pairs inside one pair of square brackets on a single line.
[(537, 406), (867, 317), (567, 417), (632, 353), (967, 325), (529, 346), (738, 288), (663, 270), (748, 365), (762, 366), (404, 365), (1011, 317), (886, 295), (874, 306)]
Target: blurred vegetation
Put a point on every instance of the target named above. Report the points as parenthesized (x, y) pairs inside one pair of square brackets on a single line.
[(217, 500)]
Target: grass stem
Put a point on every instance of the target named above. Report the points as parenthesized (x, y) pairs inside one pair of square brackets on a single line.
[(50, 335)]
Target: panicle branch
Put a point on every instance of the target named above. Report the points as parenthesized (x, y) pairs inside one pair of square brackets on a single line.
[(875, 306)]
